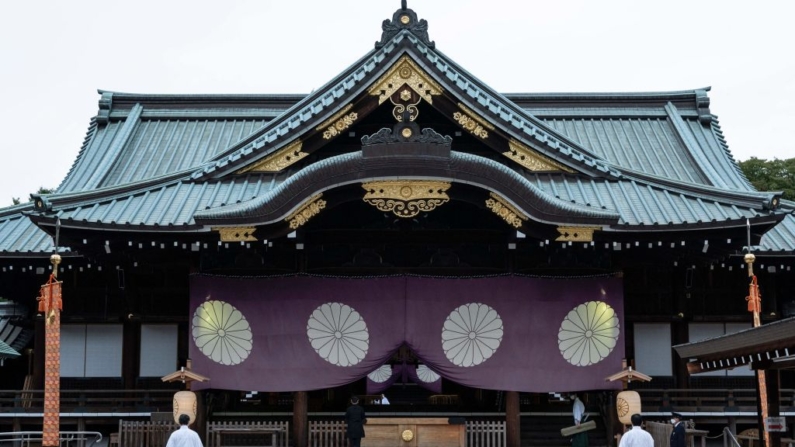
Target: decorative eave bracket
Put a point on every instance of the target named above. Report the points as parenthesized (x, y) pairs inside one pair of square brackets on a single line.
[(406, 198), (576, 234), (278, 160), (505, 210)]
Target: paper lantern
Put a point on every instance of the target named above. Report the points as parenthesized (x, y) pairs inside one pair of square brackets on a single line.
[(627, 404), (185, 403)]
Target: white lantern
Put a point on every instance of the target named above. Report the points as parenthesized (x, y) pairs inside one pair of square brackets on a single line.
[(627, 404), (185, 403)]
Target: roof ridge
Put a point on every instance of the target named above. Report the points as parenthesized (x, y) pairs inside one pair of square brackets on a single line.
[(751, 197), (111, 192), (242, 207), (718, 133), (585, 156), (672, 94)]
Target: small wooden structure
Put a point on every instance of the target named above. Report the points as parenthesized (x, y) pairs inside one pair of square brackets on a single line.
[(770, 348), (478, 434), (413, 432)]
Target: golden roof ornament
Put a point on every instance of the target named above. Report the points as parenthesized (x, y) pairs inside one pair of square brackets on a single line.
[(404, 19)]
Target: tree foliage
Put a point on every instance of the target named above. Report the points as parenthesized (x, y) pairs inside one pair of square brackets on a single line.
[(41, 190), (771, 175)]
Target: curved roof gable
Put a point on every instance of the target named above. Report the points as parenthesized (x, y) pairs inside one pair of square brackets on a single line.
[(477, 107)]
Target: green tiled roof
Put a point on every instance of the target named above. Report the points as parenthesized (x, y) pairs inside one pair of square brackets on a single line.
[(174, 204), (7, 352), (654, 158)]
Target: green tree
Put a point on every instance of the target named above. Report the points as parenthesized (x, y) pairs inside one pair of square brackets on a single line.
[(41, 190), (771, 175)]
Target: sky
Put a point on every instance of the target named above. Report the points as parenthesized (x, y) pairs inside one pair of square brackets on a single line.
[(54, 55)]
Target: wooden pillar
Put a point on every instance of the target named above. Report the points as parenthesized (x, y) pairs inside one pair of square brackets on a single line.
[(613, 425), (681, 315), (300, 418), (200, 424), (773, 403), (38, 359), (81, 426), (759, 421), (512, 419)]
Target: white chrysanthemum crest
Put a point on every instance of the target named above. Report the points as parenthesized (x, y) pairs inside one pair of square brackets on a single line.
[(381, 375), (588, 333), (221, 332), (338, 334), (426, 375), (471, 334)]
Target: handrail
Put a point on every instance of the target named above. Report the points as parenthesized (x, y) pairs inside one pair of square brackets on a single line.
[(735, 442), (24, 438)]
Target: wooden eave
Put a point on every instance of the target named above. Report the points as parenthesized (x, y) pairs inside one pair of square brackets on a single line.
[(766, 347)]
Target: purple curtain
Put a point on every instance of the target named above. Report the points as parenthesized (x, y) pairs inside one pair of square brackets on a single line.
[(505, 333)]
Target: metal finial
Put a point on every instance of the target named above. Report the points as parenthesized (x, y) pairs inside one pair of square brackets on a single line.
[(403, 5), (57, 233), (749, 257), (55, 258)]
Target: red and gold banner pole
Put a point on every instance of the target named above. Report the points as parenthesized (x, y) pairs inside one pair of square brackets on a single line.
[(754, 299), (50, 304)]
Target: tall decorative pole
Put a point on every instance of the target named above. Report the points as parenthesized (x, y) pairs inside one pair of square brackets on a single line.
[(50, 305), (754, 299)]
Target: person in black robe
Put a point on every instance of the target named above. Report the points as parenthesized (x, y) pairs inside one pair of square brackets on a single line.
[(678, 435), (355, 420)]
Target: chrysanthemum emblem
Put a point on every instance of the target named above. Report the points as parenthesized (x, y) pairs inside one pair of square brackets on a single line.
[(426, 375), (221, 332), (471, 334), (381, 375), (338, 334), (588, 333)]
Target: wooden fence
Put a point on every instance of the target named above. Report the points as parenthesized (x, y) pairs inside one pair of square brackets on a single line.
[(478, 434), (145, 434), (321, 433), (221, 434), (486, 434), (327, 434)]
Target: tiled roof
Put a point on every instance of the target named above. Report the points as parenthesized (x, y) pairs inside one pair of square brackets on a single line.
[(782, 237), (329, 99), (646, 204), (6, 352), (144, 152), (19, 236), (14, 337), (161, 134), (174, 204), (643, 144)]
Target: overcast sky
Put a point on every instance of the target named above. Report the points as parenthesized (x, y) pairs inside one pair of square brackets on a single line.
[(54, 55)]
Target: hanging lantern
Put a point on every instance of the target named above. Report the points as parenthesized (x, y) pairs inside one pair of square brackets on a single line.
[(627, 404), (185, 403)]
